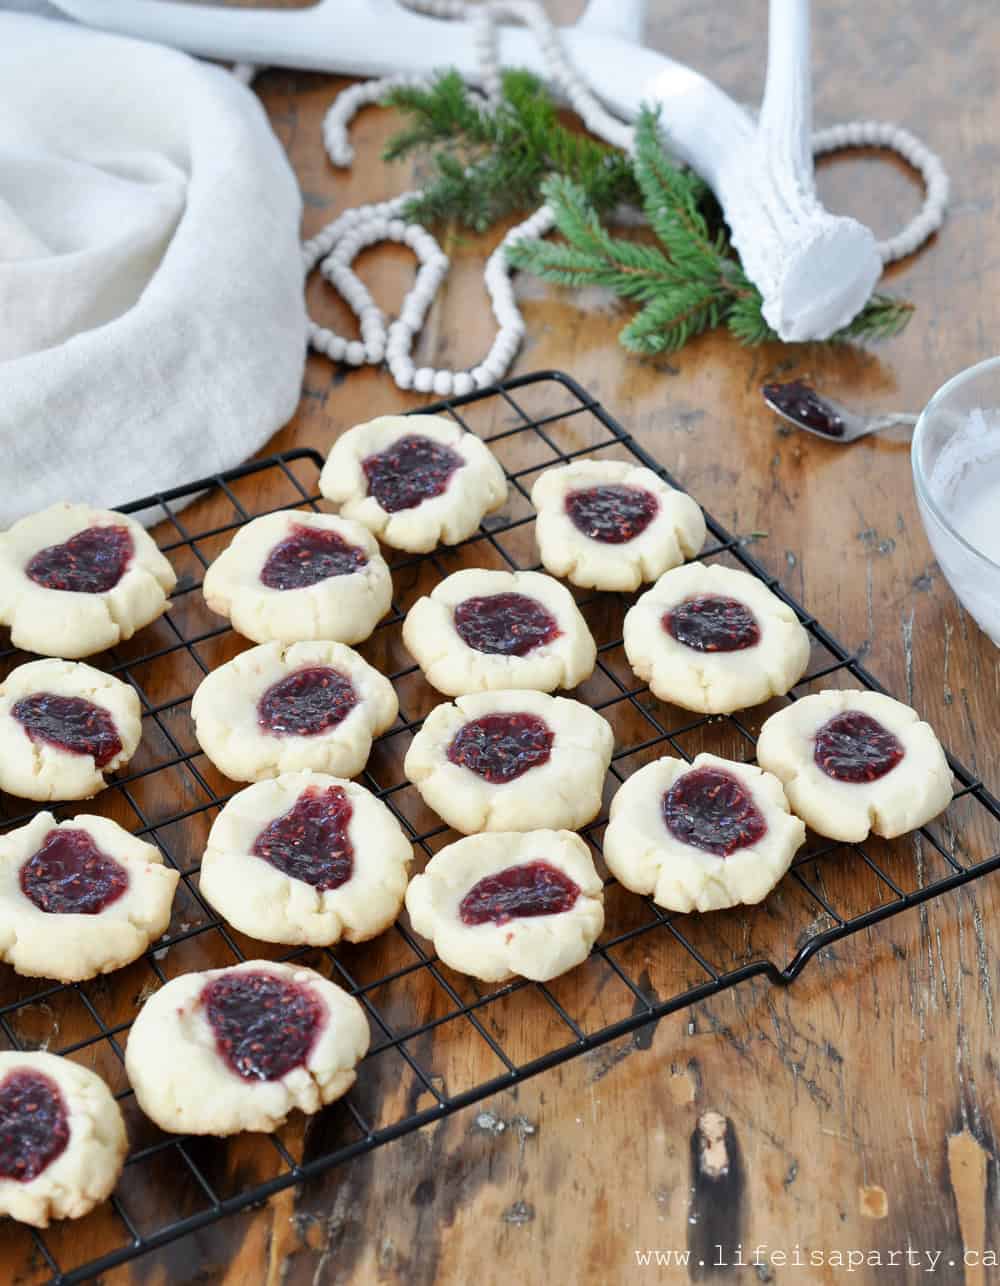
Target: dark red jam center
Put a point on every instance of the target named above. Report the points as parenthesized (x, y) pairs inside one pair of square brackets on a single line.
[(264, 1026), (34, 1126), (506, 624), (69, 875), (310, 841), (412, 470), (533, 888), (309, 555), (91, 562), (711, 623), (71, 724), (307, 703), (612, 514), (501, 747), (713, 811), (804, 404), (855, 747)]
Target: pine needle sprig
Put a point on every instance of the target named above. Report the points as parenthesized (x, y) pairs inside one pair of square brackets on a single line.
[(489, 161)]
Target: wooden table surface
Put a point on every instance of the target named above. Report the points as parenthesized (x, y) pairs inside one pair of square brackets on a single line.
[(855, 1111)]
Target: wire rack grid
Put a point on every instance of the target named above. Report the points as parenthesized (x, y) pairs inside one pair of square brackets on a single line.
[(440, 1041)]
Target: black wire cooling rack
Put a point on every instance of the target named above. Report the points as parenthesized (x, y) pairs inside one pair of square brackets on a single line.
[(440, 1041)]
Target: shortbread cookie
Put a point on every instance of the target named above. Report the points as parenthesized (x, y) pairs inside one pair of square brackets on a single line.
[(510, 903), (237, 1049), (416, 481), (79, 898), (512, 761), (480, 630), (604, 524), (855, 761), (76, 580), (701, 836), (711, 639), (279, 708), (295, 575), (306, 858), (63, 727), (62, 1138)]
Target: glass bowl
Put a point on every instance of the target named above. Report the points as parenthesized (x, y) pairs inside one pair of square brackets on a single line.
[(956, 475)]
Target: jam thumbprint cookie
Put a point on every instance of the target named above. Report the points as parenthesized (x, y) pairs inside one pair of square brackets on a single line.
[(79, 898), (512, 761), (293, 576), (306, 858), (279, 708), (505, 904), (63, 726), (239, 1048), (856, 761), (76, 580), (485, 630), (414, 481), (607, 525), (62, 1139), (714, 640), (701, 836)]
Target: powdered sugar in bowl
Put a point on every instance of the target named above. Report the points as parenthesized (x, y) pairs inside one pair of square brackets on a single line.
[(956, 474)]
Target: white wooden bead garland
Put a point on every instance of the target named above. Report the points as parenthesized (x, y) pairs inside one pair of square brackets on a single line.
[(339, 243)]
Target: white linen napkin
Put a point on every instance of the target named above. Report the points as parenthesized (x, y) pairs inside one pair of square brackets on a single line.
[(152, 321)]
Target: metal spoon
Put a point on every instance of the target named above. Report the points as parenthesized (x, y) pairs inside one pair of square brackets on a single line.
[(802, 406)]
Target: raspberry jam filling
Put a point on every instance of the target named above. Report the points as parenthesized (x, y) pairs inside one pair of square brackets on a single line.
[(613, 515), (711, 623), (310, 842), (264, 1026), (91, 562), (505, 624), (307, 703), (34, 1124), (71, 724), (854, 747), (412, 470), (533, 888), (308, 555), (502, 747), (69, 875), (712, 811)]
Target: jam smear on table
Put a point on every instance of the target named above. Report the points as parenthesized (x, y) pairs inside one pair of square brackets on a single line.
[(805, 405), (502, 747), (91, 562), (308, 555), (505, 624), (612, 514), (71, 724), (854, 747), (532, 888), (70, 875), (310, 842), (412, 470), (711, 810), (264, 1026), (712, 623), (34, 1124), (307, 703)]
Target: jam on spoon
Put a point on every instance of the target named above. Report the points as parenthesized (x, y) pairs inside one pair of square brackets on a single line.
[(804, 405)]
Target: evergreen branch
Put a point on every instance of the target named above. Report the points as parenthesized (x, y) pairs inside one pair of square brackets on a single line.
[(489, 161)]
